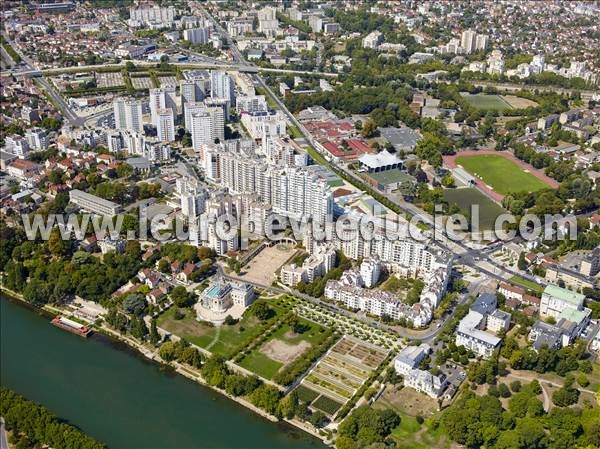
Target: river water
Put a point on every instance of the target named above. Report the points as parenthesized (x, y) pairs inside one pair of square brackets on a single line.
[(122, 399)]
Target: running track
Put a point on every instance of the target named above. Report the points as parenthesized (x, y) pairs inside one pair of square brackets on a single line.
[(450, 161)]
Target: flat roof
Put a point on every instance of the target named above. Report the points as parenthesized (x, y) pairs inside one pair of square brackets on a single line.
[(563, 294), (404, 138), (96, 199)]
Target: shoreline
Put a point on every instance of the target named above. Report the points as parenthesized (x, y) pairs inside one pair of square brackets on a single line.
[(183, 370)]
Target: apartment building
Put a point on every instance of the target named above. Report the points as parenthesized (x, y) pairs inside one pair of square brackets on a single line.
[(316, 265), (471, 329), (128, 114), (555, 300), (93, 203)]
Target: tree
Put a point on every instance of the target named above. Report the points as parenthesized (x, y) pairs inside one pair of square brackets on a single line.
[(138, 328), (36, 292), (169, 351), (448, 181), (134, 304), (565, 396), (164, 266), (262, 311), (181, 297), (522, 263), (266, 397), (288, 405), (369, 129), (154, 335), (318, 418), (56, 245)]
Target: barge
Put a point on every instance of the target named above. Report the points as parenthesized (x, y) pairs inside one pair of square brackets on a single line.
[(72, 326)]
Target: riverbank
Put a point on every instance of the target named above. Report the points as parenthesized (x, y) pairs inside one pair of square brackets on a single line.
[(153, 356)]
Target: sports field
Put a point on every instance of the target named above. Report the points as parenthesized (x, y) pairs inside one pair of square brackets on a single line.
[(488, 102), (464, 198), (500, 173), (391, 177)]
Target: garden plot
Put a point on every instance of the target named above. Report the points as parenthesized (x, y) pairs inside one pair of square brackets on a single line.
[(170, 80), (141, 82), (339, 374), (109, 79)]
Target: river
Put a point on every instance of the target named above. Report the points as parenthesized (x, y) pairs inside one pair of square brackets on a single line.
[(122, 399)]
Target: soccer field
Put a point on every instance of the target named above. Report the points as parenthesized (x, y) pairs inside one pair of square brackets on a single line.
[(464, 198), (488, 102), (501, 174)]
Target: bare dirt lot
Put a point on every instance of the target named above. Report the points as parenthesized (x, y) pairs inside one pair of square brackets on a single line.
[(283, 352), (518, 102), (261, 270)]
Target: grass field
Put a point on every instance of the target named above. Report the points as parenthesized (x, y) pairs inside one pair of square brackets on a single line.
[(224, 340), (488, 102), (527, 284), (261, 362), (390, 177), (306, 394), (464, 198), (327, 405), (501, 174)]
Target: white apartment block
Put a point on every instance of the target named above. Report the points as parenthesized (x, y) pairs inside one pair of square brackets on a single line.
[(128, 114), (165, 125), (425, 382), (197, 35), (267, 21), (206, 126), (162, 98), (251, 104), (261, 124), (222, 86), (316, 265), (349, 291), (157, 151), (152, 15), (192, 196), (17, 145), (555, 300), (470, 332), (37, 139), (372, 40), (93, 203), (370, 270)]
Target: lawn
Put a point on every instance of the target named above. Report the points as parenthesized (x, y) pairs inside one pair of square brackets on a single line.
[(327, 405), (306, 394), (488, 102), (464, 198), (262, 364), (259, 363), (390, 177), (225, 340), (501, 174), (527, 284)]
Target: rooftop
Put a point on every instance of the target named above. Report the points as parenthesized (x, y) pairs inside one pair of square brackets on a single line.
[(576, 299)]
